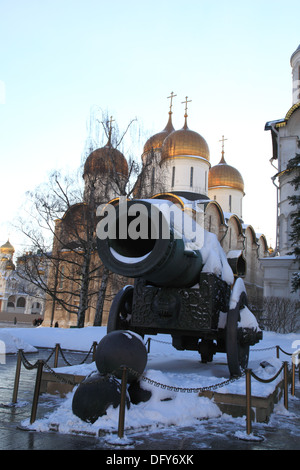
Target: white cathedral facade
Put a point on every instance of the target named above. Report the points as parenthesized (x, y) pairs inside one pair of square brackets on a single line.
[(285, 134)]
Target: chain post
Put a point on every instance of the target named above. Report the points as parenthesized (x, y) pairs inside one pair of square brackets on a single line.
[(293, 377), (277, 351), (122, 403), (285, 384), (36, 390), (148, 344), (17, 376), (57, 346), (248, 401)]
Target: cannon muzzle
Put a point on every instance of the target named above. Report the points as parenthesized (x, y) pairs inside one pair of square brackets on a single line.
[(138, 239)]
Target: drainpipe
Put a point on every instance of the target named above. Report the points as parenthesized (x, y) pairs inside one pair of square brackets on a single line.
[(273, 129), (277, 214)]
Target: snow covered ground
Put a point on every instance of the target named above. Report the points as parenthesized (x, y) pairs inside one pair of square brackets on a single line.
[(165, 366)]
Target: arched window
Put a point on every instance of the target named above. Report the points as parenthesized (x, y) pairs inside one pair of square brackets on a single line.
[(11, 301), (21, 302)]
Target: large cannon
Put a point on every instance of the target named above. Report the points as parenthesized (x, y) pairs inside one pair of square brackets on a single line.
[(183, 285)]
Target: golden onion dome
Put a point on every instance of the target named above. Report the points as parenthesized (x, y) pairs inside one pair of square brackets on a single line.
[(185, 142), (223, 175), (106, 160), (155, 142), (7, 248)]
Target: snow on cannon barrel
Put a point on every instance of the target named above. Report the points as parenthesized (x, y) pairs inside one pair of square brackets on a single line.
[(183, 279)]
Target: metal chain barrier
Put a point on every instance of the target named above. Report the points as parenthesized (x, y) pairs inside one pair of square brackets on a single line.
[(266, 381), (91, 351), (39, 364), (183, 389), (58, 376)]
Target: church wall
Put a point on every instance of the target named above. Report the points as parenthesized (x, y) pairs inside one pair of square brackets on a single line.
[(185, 179), (254, 250), (233, 239), (229, 199), (213, 221), (288, 147)]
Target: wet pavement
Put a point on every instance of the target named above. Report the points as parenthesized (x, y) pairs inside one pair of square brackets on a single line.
[(281, 433)]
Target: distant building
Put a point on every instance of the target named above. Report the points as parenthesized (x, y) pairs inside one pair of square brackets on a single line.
[(18, 298), (285, 134)]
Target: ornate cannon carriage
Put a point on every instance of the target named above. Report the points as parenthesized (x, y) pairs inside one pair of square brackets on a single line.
[(174, 291)]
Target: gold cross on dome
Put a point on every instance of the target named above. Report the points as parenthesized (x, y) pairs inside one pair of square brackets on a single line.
[(171, 102), (186, 102), (110, 123), (223, 152), (223, 140)]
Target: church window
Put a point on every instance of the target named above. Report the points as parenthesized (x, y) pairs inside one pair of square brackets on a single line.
[(230, 203), (230, 238), (173, 176), (191, 176), (205, 183)]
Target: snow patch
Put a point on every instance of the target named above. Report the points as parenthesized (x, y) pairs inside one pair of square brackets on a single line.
[(13, 344), (214, 259)]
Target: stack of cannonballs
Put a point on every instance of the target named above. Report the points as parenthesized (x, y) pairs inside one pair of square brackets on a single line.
[(102, 389)]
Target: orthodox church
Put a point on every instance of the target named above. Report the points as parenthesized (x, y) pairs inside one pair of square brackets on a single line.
[(17, 297), (180, 166), (176, 165), (285, 134)]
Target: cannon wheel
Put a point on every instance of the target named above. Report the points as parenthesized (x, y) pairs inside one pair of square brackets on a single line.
[(120, 311), (237, 351)]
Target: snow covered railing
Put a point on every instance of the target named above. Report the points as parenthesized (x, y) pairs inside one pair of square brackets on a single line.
[(248, 373), (39, 364)]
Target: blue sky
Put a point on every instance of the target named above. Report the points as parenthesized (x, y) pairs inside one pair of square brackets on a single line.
[(61, 58)]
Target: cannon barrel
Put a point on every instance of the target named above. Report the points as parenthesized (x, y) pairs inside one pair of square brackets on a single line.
[(138, 240)]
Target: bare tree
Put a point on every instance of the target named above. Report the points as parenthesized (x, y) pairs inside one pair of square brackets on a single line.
[(281, 314), (61, 222)]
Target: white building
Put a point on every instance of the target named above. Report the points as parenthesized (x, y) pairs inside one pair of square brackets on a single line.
[(285, 133), (17, 296)]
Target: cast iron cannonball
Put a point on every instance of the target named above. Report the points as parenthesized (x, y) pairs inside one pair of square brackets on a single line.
[(137, 393), (121, 348), (94, 395)]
